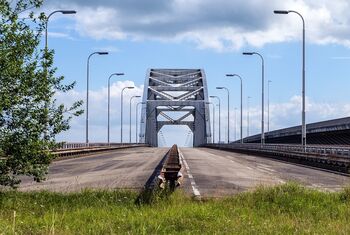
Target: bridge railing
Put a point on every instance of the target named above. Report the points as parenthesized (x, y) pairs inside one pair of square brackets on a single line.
[(317, 149), (65, 146)]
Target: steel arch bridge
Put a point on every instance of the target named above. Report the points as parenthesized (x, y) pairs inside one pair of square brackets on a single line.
[(175, 92)]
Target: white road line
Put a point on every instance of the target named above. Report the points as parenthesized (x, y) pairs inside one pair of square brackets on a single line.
[(266, 169), (190, 176)]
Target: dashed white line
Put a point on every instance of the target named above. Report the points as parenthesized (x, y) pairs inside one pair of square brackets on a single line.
[(190, 176)]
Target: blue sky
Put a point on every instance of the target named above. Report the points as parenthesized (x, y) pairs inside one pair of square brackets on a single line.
[(139, 37)]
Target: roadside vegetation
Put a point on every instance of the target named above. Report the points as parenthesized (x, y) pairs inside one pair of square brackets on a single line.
[(283, 209)]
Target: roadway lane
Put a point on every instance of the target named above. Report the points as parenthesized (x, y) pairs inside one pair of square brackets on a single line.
[(124, 168), (219, 173)]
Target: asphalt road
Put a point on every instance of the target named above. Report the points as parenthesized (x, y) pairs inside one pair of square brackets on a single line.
[(124, 168), (213, 173)]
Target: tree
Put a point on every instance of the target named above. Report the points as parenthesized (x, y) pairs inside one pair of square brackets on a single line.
[(30, 117)]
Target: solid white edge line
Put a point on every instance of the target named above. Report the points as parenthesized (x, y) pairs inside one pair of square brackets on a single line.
[(190, 176)]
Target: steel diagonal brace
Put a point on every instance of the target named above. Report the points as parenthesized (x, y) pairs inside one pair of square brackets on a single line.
[(190, 82), (185, 96), (167, 117), (184, 116), (165, 96), (160, 82)]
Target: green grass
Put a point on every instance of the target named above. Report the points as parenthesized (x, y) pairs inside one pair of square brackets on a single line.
[(286, 209)]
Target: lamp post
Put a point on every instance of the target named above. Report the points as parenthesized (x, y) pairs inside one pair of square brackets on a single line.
[(235, 123), (268, 105), (240, 78), (121, 112), (303, 126), (109, 88), (228, 112), (216, 97), (65, 12), (87, 91), (248, 115), (262, 94), (136, 121), (210, 103), (132, 97)]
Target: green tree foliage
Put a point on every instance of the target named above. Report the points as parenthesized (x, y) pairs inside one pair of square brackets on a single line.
[(30, 117)]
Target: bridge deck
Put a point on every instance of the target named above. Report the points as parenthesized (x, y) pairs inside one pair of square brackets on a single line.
[(219, 173), (127, 168), (214, 172)]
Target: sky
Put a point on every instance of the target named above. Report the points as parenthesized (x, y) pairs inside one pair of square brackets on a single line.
[(210, 35)]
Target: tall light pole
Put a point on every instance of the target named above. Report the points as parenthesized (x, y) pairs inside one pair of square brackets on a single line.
[(248, 98), (303, 126), (121, 112), (235, 123), (136, 120), (109, 88), (65, 12), (216, 97), (268, 105), (228, 112), (210, 103), (132, 97), (262, 93), (240, 78), (87, 91)]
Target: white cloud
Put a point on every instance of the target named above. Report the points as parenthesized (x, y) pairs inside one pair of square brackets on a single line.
[(282, 115), (98, 113), (220, 25)]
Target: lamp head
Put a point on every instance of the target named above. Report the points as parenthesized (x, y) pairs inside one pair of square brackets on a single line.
[(130, 87), (102, 53), (280, 12), (67, 12), (119, 74), (247, 53), (219, 88), (230, 75)]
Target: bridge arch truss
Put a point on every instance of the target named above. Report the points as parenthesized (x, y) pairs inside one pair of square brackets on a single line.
[(175, 97)]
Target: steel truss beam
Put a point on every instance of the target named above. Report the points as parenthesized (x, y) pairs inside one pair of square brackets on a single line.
[(190, 98)]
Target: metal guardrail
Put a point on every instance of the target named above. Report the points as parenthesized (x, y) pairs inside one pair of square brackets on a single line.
[(73, 149), (316, 149), (333, 158), (85, 145)]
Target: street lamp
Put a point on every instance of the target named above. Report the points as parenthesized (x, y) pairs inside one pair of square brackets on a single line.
[(136, 120), (121, 112), (210, 103), (132, 97), (109, 87), (46, 48), (228, 112), (235, 123), (216, 97), (248, 98), (262, 94), (87, 92), (268, 105), (65, 12), (240, 78), (303, 128)]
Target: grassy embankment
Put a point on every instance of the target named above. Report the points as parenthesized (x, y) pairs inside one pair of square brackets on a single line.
[(279, 210)]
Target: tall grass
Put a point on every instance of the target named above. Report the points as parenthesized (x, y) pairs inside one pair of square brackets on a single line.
[(283, 209)]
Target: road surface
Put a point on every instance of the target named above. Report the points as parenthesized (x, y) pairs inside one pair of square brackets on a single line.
[(124, 168), (207, 172), (219, 173)]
